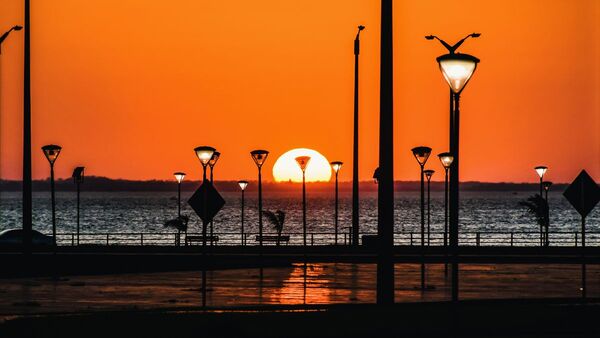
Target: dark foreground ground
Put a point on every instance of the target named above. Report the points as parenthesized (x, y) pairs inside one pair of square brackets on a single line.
[(532, 318)]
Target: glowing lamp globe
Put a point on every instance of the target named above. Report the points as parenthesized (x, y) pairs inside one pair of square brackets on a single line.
[(204, 154), (421, 154), (179, 176), (446, 159), (541, 170), (287, 168), (243, 184), (259, 156), (336, 166), (457, 69), (51, 151)]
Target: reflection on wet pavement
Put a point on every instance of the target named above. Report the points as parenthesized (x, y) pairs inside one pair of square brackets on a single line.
[(329, 283)]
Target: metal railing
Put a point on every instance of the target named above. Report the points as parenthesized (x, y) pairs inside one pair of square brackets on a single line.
[(500, 238)]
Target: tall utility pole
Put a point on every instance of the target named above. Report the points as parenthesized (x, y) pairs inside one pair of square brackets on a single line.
[(27, 199), (385, 193), (355, 208)]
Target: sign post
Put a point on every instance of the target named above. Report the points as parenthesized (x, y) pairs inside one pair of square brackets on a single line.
[(583, 194)]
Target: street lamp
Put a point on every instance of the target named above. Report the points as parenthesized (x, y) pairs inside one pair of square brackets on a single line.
[(78, 178), (213, 161), (52, 151), (259, 156), (547, 185), (355, 182), (303, 163), (422, 154), (541, 171), (336, 166), (204, 154), (243, 185), (446, 159), (457, 70), (428, 174), (179, 176)]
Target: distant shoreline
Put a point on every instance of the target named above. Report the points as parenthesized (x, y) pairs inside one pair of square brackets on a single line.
[(97, 183)]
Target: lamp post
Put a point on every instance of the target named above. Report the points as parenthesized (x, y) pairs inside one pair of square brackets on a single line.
[(211, 164), (355, 199), (428, 174), (78, 175), (446, 159), (179, 176), (204, 154), (259, 156), (336, 166), (541, 171), (243, 185), (457, 70), (51, 151), (422, 154), (303, 163), (547, 185)]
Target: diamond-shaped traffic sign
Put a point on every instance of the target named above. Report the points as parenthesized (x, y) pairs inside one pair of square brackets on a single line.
[(583, 194), (206, 202)]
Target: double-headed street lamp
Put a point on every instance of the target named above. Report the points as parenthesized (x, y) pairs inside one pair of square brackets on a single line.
[(303, 163), (243, 185), (422, 154), (78, 176), (457, 69), (446, 159), (51, 151), (336, 166), (204, 154), (428, 174), (259, 156)]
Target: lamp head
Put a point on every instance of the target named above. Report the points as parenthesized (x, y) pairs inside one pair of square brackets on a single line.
[(428, 173), (421, 154), (51, 151), (547, 185), (303, 162), (446, 159), (214, 159), (78, 174), (17, 28), (376, 175), (541, 170), (243, 184), (361, 27), (336, 166), (259, 156), (429, 37), (179, 176), (204, 154), (475, 35), (457, 69)]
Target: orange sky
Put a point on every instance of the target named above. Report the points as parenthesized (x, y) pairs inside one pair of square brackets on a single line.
[(130, 87)]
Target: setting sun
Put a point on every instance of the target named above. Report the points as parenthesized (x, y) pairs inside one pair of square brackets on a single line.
[(287, 169)]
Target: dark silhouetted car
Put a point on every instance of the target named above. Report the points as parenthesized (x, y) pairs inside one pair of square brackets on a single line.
[(15, 237)]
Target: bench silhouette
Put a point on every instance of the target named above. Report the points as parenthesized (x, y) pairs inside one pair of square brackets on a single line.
[(273, 238), (200, 239)]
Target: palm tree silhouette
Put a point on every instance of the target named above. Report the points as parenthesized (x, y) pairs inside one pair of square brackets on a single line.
[(180, 224), (537, 206), (277, 219)]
